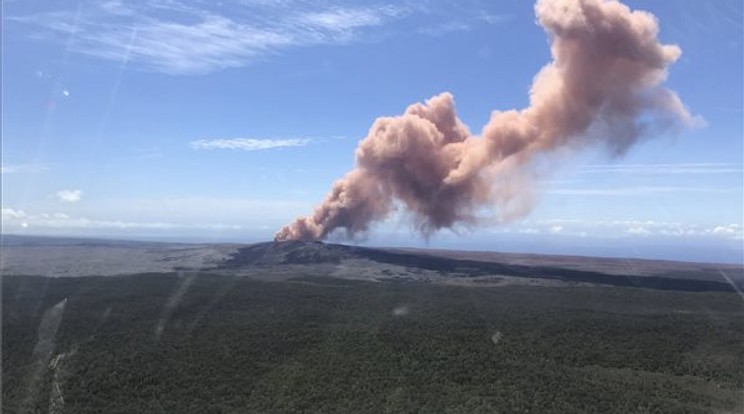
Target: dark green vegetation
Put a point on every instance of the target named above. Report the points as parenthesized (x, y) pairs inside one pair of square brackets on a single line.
[(321, 345)]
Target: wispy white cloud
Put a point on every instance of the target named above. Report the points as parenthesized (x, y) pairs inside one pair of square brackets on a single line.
[(495, 18), (638, 191), (676, 168), (23, 168), (200, 37), (464, 23), (248, 144), (69, 196), (194, 38), (342, 20), (445, 28)]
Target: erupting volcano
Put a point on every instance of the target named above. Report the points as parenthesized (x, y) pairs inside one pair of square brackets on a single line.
[(603, 87)]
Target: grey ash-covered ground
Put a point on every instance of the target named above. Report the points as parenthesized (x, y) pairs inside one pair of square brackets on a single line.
[(281, 260), (450, 267)]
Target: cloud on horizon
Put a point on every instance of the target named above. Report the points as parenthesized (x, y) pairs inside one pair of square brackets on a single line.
[(624, 229), (15, 220), (167, 215), (20, 221)]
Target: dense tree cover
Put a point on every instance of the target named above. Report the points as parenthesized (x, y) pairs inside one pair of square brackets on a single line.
[(216, 344)]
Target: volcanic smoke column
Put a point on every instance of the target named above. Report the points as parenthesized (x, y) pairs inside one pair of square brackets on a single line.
[(603, 87)]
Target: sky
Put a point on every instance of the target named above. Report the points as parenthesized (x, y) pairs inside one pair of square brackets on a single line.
[(223, 121)]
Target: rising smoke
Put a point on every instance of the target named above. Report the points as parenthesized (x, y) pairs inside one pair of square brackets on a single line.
[(602, 87)]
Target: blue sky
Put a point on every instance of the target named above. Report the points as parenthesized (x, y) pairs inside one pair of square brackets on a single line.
[(225, 120)]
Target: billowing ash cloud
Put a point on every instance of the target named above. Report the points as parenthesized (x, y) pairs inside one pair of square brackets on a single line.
[(603, 87)]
